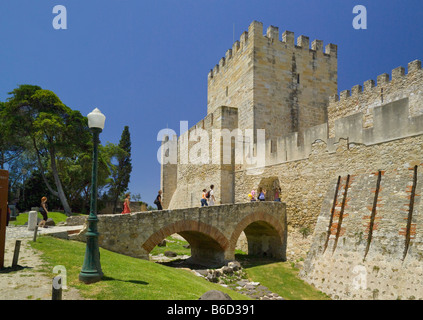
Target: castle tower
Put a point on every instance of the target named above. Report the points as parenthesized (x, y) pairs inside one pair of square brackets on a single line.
[(276, 85), (261, 83)]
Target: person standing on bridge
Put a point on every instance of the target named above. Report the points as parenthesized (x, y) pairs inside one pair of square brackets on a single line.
[(126, 204), (158, 201), (212, 199), (204, 199), (262, 194), (278, 194), (253, 195)]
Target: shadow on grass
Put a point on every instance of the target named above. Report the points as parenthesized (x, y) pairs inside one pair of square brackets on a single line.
[(254, 260), (106, 278), (185, 263), (244, 259)]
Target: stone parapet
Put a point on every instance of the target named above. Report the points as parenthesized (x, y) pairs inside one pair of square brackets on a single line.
[(212, 231)]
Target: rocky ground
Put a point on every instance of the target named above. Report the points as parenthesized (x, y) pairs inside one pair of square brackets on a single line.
[(27, 281), (231, 276)]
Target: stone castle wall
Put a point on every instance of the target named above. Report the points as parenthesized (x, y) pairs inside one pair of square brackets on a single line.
[(277, 85), (370, 136), (390, 140), (292, 83), (191, 174), (269, 84), (379, 127), (304, 169), (364, 98), (368, 243)]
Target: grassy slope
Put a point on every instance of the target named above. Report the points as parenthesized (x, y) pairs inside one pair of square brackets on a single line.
[(140, 279), (125, 278)]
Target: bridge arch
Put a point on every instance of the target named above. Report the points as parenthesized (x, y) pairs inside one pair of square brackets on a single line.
[(207, 243), (266, 236), (211, 231)]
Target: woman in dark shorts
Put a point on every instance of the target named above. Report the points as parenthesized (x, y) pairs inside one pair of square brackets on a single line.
[(44, 212)]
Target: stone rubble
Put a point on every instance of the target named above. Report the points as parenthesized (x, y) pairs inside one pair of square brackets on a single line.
[(232, 276)]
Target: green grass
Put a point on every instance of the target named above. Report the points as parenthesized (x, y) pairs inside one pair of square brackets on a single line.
[(172, 244), (56, 216), (135, 279), (176, 245), (125, 278), (281, 278)]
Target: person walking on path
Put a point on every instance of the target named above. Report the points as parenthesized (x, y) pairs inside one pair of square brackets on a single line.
[(158, 201), (126, 204), (44, 212), (204, 199)]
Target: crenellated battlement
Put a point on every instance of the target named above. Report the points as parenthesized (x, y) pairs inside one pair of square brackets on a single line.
[(391, 122), (388, 88), (383, 80), (272, 36), (271, 78)]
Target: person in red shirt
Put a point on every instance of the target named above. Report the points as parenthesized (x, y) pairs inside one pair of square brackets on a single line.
[(126, 204)]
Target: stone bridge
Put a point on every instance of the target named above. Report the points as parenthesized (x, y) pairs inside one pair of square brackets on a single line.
[(212, 232)]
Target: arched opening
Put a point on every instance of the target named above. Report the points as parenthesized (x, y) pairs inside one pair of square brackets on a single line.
[(266, 236), (204, 249), (270, 184), (263, 240), (206, 242)]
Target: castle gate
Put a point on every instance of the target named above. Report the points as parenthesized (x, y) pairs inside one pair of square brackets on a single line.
[(212, 232)]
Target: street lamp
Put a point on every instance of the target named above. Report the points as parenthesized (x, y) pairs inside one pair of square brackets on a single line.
[(91, 269)]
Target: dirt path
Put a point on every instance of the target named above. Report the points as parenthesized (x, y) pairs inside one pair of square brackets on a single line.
[(28, 282)]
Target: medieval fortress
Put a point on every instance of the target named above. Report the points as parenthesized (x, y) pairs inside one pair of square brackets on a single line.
[(349, 165)]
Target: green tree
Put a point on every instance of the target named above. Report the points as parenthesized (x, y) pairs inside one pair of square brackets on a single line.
[(33, 190), (121, 173), (55, 131), (11, 146), (76, 174)]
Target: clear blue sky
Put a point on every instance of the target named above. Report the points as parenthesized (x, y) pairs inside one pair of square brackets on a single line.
[(145, 63)]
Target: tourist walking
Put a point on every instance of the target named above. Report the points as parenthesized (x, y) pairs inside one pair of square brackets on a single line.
[(204, 198), (127, 204), (212, 199), (253, 195), (158, 201), (44, 212)]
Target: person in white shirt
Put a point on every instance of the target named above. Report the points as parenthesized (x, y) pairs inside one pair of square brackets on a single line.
[(212, 199)]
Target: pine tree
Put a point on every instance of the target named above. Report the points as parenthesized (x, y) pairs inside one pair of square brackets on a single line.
[(122, 173)]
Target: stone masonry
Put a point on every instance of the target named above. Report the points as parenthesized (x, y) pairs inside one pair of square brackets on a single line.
[(212, 232), (367, 243), (313, 135), (367, 128), (261, 83)]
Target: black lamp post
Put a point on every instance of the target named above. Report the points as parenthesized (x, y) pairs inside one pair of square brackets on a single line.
[(91, 269)]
